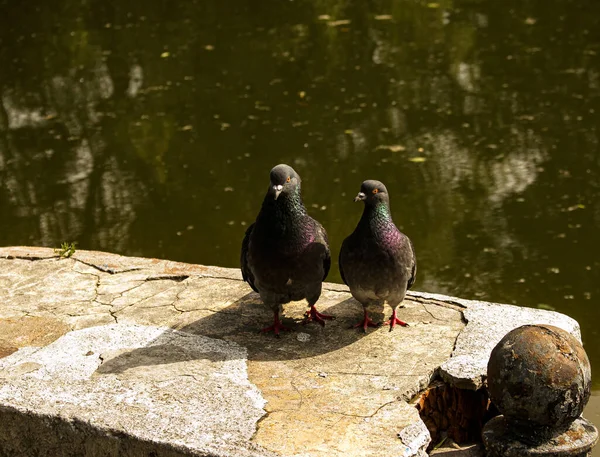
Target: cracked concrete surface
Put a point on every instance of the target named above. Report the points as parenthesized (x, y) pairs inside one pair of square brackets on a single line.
[(113, 353), (487, 325), (67, 378)]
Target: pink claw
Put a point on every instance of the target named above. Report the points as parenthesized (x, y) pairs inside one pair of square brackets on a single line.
[(314, 315), (366, 322), (394, 320), (277, 326)]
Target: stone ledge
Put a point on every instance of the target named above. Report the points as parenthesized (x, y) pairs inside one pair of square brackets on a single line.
[(133, 356)]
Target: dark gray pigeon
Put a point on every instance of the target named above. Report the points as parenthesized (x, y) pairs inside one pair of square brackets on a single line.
[(377, 261), (285, 253)]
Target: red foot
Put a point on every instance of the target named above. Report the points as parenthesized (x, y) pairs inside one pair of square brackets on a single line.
[(366, 322), (277, 326), (314, 315), (393, 321)]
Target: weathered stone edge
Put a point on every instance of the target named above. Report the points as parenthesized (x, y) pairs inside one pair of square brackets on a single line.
[(82, 433), (466, 368), (115, 264)]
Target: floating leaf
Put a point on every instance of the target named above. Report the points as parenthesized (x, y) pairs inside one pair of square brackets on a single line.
[(576, 207), (530, 21), (348, 131), (324, 17), (417, 159), (165, 54), (546, 307), (391, 147), (338, 23), (383, 17), (433, 5)]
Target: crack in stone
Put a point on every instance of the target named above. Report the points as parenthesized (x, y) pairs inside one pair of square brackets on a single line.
[(107, 269), (338, 413), (386, 375), (259, 421), (431, 301), (30, 258), (177, 298), (177, 278), (368, 416), (181, 311), (98, 302), (97, 276), (123, 292), (209, 276), (430, 313), (141, 300), (114, 315), (464, 321), (299, 393)]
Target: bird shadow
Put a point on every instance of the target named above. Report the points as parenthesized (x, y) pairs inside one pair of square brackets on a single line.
[(241, 323)]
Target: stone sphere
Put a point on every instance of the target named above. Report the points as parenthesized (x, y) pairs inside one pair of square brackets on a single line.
[(539, 378)]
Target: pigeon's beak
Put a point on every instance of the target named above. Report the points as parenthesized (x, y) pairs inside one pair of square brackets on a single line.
[(361, 196), (277, 190)]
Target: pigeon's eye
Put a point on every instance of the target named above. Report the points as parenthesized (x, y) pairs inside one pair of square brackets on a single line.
[(288, 179), (375, 190)]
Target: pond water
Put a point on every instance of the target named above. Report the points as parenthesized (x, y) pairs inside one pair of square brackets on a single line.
[(149, 128)]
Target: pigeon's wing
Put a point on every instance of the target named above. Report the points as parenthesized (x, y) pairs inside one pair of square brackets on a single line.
[(321, 237), (246, 272), (413, 275), (344, 243)]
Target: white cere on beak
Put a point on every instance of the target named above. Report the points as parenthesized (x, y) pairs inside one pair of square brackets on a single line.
[(278, 188)]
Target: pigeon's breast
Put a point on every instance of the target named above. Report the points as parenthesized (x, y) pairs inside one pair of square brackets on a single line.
[(372, 267), (286, 267)]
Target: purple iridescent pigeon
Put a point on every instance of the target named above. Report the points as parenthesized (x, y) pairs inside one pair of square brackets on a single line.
[(377, 261), (285, 253)]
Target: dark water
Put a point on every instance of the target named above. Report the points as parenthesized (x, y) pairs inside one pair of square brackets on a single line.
[(149, 128)]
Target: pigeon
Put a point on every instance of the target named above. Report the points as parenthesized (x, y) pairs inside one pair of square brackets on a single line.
[(377, 261), (285, 253)]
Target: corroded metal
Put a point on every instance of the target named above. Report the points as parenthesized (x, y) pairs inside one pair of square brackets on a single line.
[(539, 378), (501, 441)]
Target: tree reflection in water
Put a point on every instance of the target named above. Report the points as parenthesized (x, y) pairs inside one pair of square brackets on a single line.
[(148, 128)]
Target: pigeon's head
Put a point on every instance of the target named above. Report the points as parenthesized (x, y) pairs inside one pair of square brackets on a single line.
[(284, 180), (372, 192)]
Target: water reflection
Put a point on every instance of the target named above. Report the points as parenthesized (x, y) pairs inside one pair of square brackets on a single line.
[(148, 128)]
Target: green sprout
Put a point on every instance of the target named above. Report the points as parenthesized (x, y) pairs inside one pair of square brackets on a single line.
[(66, 250)]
